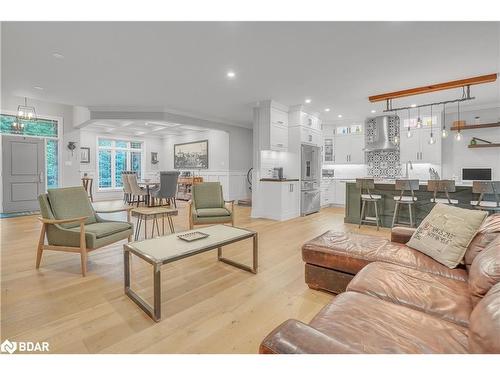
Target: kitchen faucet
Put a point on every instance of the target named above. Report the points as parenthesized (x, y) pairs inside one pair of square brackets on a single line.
[(406, 168)]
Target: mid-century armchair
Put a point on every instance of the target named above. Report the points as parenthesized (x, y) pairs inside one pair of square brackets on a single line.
[(207, 205), (71, 224)]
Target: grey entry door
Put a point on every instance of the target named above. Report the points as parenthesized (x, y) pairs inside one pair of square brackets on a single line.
[(23, 172)]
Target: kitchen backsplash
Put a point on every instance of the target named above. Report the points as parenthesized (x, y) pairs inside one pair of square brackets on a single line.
[(383, 163)]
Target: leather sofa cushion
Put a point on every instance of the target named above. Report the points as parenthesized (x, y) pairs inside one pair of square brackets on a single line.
[(484, 334), (350, 252), (485, 271), (435, 295), (488, 232), (370, 325)]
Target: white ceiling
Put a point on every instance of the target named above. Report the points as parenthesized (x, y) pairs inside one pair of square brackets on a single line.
[(181, 66), (142, 128)]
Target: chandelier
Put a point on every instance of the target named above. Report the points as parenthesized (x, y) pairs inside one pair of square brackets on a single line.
[(24, 113)]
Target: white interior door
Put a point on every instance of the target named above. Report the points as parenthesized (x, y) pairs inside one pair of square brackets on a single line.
[(23, 172)]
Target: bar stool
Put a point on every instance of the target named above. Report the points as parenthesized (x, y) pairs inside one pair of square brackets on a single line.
[(368, 184), (409, 200), (486, 187), (442, 186)]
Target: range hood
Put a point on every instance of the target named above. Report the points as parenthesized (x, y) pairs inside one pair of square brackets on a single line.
[(380, 139)]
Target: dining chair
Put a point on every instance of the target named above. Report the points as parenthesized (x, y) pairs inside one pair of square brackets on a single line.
[(127, 192), (136, 190), (168, 187)]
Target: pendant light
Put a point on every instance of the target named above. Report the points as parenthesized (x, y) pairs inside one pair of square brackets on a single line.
[(458, 137), (397, 125), (444, 132), (408, 132), (419, 120), (24, 113), (431, 139)]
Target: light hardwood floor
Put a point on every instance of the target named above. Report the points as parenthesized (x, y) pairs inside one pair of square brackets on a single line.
[(207, 306)]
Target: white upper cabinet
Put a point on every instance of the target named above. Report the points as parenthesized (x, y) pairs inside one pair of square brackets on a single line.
[(272, 121), (348, 145), (417, 147), (308, 123)]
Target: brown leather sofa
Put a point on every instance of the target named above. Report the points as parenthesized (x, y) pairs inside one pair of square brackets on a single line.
[(396, 299)]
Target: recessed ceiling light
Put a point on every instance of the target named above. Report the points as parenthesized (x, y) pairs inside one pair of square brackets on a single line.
[(58, 55), (308, 101), (38, 88), (413, 105), (339, 116), (327, 109), (373, 111), (231, 74)]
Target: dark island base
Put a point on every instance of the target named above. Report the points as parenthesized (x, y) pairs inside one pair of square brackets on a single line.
[(387, 204)]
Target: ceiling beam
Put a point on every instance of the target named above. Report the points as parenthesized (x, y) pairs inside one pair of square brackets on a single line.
[(435, 87)]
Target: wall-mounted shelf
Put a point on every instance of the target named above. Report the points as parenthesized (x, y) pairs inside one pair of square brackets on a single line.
[(484, 145), (481, 126)]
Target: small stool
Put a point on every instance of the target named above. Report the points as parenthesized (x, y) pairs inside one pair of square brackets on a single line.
[(143, 213), (409, 200), (368, 184), (442, 186), (486, 187)]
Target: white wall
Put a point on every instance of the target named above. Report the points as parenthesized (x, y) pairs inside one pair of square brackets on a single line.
[(88, 138), (221, 164), (456, 155)]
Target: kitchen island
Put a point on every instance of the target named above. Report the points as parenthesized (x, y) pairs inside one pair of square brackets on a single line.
[(386, 189)]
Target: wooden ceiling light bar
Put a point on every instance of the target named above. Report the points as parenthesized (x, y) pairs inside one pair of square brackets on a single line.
[(435, 87)]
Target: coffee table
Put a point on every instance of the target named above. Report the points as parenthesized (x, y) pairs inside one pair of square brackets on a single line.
[(167, 249)]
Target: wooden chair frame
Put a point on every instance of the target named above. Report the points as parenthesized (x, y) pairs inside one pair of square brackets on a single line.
[(82, 249)]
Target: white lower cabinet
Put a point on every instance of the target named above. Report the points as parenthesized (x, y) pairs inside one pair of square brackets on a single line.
[(280, 200), (339, 193), (329, 193)]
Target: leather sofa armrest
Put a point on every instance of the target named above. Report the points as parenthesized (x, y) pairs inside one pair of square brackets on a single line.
[(294, 337), (401, 234)]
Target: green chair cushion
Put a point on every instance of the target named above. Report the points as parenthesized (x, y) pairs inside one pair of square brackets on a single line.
[(70, 203), (208, 195), (211, 212), (105, 229)]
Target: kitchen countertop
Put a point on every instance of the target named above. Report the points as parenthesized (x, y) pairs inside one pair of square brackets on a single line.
[(421, 182), (279, 180)]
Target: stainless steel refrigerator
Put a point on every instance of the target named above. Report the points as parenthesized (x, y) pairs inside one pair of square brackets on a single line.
[(310, 179)]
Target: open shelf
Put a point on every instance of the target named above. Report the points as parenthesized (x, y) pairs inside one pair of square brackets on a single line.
[(484, 145), (480, 126)]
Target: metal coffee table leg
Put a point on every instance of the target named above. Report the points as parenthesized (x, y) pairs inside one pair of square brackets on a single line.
[(244, 267), (154, 312)]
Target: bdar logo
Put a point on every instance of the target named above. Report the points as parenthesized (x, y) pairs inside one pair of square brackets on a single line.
[(8, 347)]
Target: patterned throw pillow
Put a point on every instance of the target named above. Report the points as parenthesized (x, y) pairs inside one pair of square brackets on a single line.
[(446, 232)]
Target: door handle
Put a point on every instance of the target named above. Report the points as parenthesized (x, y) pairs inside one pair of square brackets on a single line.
[(291, 188)]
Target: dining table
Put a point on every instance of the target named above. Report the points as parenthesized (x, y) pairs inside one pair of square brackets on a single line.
[(149, 185)]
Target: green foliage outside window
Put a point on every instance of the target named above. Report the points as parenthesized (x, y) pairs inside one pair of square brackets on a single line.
[(40, 127), (52, 164)]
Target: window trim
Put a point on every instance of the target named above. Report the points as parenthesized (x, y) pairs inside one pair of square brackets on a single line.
[(59, 138), (113, 150)]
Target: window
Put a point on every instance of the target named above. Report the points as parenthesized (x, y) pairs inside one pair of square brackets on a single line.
[(42, 128), (114, 157)]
